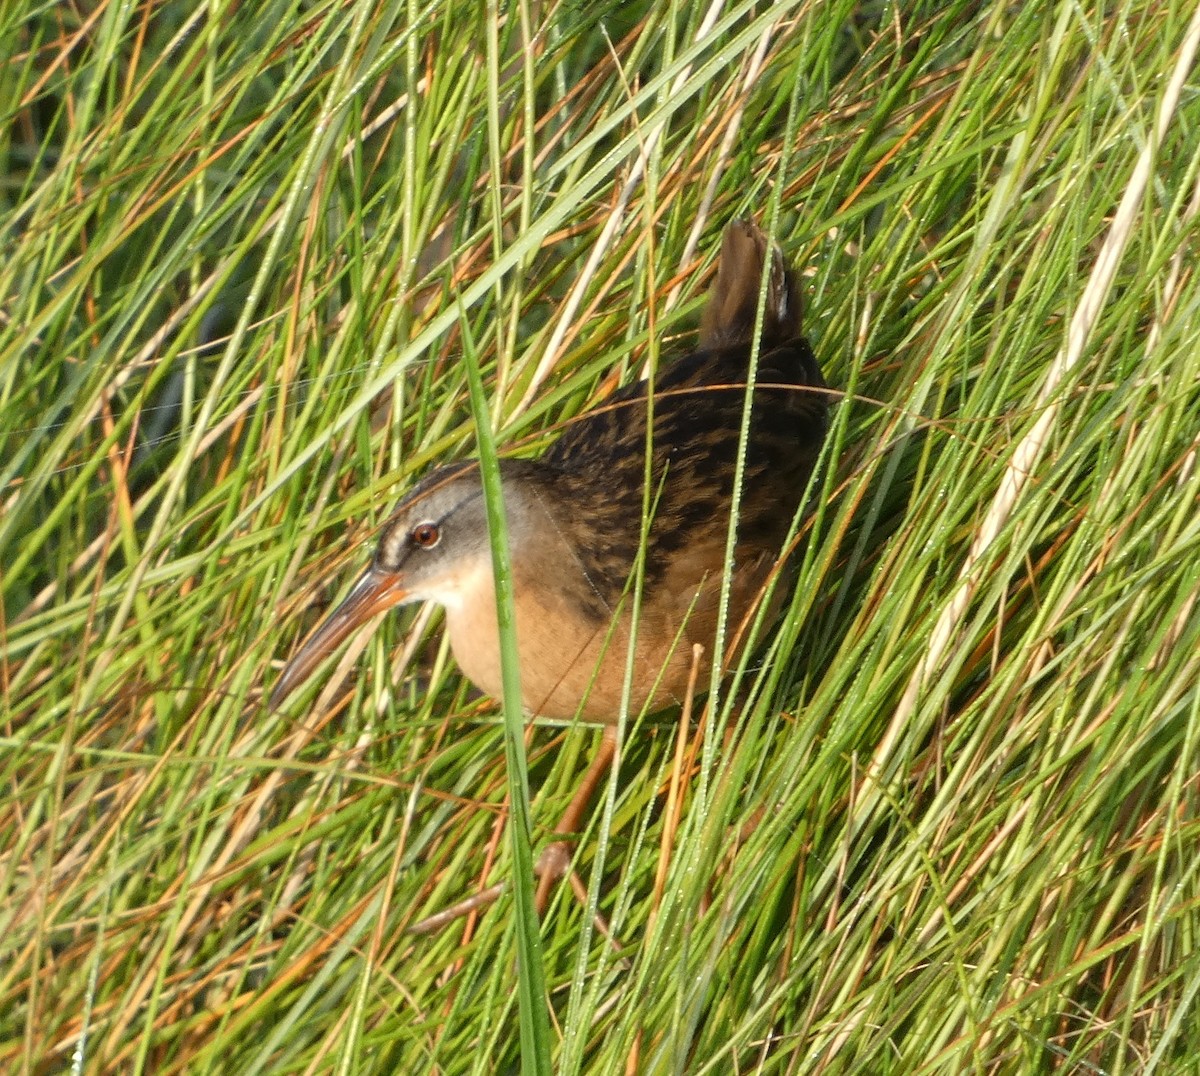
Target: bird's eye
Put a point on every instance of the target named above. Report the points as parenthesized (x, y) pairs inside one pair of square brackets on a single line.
[(426, 535)]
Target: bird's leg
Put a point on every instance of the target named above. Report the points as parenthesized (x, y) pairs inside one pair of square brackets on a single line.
[(555, 859)]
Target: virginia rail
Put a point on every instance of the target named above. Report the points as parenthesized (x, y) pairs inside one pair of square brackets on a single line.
[(574, 520)]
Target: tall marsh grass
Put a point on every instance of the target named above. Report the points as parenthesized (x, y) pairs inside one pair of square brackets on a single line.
[(950, 824)]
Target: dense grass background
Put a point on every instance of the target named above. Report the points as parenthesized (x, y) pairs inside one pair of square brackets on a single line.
[(951, 824)]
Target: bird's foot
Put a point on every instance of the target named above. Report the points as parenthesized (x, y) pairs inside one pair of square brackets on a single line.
[(553, 864)]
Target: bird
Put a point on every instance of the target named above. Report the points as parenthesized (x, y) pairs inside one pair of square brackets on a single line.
[(575, 515)]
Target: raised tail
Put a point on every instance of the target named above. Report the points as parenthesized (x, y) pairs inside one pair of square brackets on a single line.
[(729, 316)]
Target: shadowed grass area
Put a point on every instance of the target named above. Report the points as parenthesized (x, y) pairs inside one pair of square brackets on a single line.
[(946, 821)]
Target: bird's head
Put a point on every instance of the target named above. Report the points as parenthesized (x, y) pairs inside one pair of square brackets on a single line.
[(435, 547)]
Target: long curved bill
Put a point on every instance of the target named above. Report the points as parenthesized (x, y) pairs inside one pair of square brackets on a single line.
[(376, 591)]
